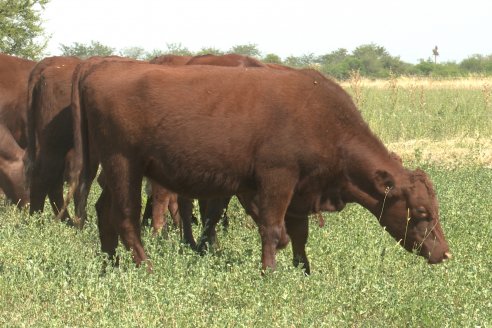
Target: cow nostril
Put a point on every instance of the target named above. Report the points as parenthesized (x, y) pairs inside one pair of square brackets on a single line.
[(448, 256)]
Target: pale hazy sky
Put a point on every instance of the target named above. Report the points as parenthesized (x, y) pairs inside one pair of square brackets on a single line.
[(409, 29)]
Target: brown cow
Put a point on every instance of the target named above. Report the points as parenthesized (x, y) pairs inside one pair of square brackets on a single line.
[(50, 131), (171, 60), (50, 136), (14, 73), (232, 60), (207, 207), (287, 143)]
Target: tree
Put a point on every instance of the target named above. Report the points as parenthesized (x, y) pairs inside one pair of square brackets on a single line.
[(153, 54), (177, 49), (272, 59), (376, 61), (133, 52), (335, 57), (473, 64), (370, 56), (425, 67), (21, 32), (435, 52), (309, 60), (210, 51), (85, 51), (246, 50)]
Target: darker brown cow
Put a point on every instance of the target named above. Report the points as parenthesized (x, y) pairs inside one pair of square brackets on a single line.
[(14, 73), (171, 60), (50, 131), (287, 143), (232, 60)]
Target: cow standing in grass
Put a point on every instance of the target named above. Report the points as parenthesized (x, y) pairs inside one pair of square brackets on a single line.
[(50, 131), (286, 142)]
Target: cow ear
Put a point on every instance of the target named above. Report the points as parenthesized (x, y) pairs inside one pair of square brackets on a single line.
[(384, 182)]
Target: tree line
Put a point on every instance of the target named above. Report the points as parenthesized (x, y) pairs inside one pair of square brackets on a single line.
[(370, 60), (22, 34)]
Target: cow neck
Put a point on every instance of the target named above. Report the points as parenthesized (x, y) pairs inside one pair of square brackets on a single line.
[(361, 162)]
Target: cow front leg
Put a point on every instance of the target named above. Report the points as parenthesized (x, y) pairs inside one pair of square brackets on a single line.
[(276, 187), (298, 228)]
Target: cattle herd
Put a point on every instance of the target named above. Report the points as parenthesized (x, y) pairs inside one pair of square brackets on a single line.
[(287, 142)]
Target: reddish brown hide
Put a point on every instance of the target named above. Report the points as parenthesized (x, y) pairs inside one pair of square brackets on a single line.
[(288, 143), (216, 207), (14, 73), (50, 131)]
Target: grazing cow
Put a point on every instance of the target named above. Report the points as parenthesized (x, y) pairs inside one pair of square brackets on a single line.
[(171, 60), (208, 207), (50, 131), (286, 142), (232, 60), (14, 73)]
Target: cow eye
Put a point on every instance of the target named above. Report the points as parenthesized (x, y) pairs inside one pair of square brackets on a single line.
[(422, 213)]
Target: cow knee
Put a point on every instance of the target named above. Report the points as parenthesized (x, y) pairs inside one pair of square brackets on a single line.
[(284, 239)]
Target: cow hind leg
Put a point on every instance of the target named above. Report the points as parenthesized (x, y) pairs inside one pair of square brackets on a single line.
[(174, 210), (81, 193), (38, 188), (107, 232), (124, 179), (225, 217), (160, 202), (147, 214), (55, 195), (37, 195), (185, 206)]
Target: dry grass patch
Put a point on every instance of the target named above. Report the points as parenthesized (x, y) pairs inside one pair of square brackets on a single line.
[(406, 82), (452, 152)]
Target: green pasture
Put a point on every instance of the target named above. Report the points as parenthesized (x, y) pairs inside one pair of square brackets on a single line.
[(52, 275)]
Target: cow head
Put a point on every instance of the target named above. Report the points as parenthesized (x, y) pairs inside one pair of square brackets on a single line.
[(13, 181), (410, 213)]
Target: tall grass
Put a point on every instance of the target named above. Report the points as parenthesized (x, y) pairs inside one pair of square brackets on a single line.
[(414, 109)]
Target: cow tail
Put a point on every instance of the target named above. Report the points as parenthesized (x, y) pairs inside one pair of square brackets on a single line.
[(31, 150), (78, 164)]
